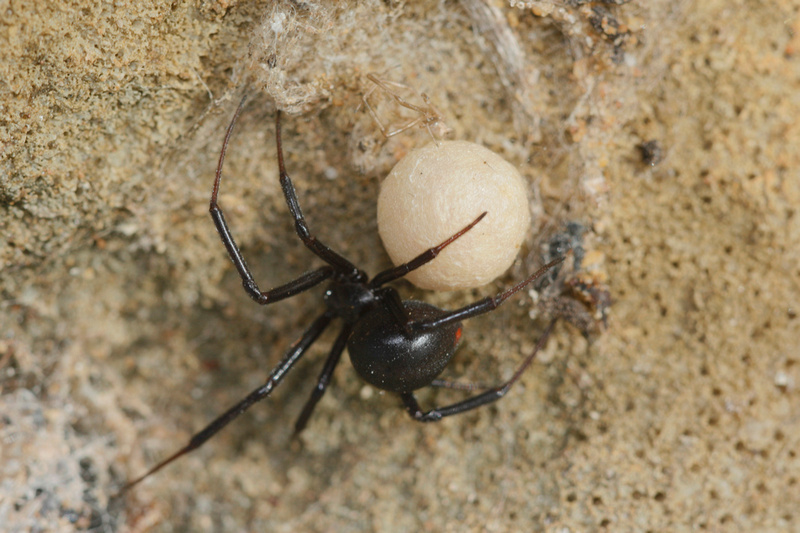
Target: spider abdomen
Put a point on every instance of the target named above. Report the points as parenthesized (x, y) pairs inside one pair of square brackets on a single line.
[(387, 357)]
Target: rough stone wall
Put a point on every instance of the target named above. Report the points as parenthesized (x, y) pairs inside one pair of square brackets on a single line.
[(123, 327)]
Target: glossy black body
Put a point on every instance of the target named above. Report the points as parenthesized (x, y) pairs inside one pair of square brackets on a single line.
[(386, 356)]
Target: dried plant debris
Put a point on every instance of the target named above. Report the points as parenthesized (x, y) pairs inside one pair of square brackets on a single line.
[(577, 292), (424, 113), (651, 152), (602, 17)]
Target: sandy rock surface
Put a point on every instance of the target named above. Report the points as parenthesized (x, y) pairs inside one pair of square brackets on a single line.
[(124, 329)]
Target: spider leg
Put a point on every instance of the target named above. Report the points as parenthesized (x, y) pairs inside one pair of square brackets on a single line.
[(482, 306), (324, 378), (304, 282), (341, 264), (489, 396), (425, 257), (276, 376)]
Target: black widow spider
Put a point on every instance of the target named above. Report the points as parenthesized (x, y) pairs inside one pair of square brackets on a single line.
[(395, 345)]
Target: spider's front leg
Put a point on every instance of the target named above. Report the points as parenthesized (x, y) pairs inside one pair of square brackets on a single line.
[(304, 282), (339, 263)]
